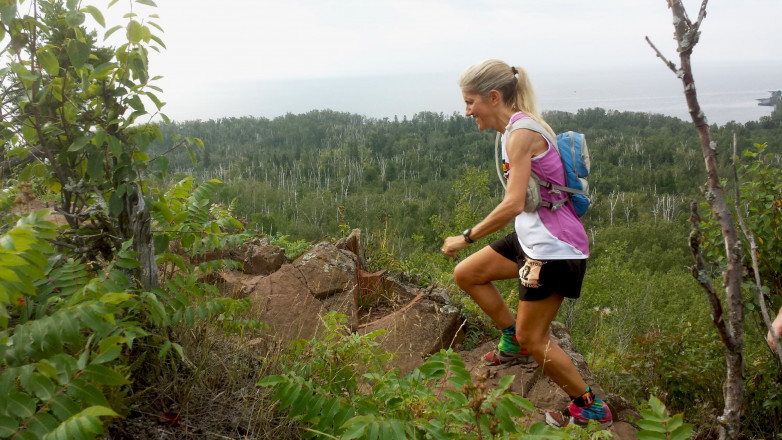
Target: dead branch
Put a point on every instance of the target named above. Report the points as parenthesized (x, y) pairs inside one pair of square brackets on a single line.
[(701, 14), (73, 248), (671, 65)]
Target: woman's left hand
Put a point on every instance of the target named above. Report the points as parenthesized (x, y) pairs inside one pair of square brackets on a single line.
[(453, 244)]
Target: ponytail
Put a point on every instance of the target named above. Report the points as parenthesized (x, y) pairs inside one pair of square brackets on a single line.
[(523, 98)]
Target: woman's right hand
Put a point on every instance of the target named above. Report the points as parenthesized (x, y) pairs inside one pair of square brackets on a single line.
[(453, 244)]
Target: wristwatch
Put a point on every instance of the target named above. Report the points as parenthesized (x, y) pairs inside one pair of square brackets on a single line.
[(466, 235)]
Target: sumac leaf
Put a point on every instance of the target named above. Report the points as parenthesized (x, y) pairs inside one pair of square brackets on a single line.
[(78, 53)]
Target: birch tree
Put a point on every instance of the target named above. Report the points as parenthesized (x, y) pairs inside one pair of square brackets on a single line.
[(77, 116), (687, 34)]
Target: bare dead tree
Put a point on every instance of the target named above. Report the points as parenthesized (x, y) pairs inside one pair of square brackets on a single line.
[(627, 206), (613, 199), (670, 206), (687, 34), (656, 207)]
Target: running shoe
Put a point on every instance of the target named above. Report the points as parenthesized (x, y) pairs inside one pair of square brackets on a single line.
[(598, 412), (498, 357)]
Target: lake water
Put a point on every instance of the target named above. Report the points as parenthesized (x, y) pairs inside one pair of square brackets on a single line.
[(726, 93)]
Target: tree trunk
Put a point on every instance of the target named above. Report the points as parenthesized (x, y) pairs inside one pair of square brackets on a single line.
[(136, 223), (731, 333)]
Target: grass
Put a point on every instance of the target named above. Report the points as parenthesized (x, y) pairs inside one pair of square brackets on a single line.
[(212, 393)]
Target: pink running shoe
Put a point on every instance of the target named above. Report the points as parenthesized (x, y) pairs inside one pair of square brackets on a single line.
[(598, 412)]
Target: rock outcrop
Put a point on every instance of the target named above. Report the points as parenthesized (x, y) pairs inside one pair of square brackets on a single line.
[(257, 257), (425, 325), (291, 297)]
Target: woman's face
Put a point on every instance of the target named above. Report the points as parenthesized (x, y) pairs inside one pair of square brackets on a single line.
[(477, 107)]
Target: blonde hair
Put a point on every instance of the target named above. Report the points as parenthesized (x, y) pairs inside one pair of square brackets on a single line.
[(511, 82)]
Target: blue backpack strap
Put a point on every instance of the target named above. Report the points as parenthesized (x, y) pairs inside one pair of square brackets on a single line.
[(531, 124)]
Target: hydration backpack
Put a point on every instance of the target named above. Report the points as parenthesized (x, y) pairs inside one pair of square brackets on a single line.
[(573, 152)]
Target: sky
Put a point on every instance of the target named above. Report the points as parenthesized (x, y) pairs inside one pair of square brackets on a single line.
[(221, 55)]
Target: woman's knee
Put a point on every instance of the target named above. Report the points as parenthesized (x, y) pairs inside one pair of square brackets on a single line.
[(463, 275), (531, 341)]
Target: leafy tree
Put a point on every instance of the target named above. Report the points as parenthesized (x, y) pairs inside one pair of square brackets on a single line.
[(759, 204), (71, 325), (72, 337), (71, 119)]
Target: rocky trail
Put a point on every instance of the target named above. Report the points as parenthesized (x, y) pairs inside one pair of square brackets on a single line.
[(291, 296)]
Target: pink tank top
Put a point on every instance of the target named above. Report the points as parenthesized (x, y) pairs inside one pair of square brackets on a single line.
[(546, 234)]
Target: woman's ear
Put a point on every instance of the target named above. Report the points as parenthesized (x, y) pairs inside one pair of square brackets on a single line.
[(494, 97)]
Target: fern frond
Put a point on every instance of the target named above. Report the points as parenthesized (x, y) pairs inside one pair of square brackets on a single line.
[(180, 190), (83, 425)]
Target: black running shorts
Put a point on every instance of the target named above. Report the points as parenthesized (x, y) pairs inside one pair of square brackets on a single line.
[(563, 277)]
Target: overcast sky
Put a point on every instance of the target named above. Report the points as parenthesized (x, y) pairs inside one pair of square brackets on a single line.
[(211, 44)]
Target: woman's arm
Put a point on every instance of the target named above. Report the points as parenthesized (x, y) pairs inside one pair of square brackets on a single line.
[(520, 146)]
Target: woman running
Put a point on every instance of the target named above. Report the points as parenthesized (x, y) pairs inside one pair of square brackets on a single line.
[(548, 249)]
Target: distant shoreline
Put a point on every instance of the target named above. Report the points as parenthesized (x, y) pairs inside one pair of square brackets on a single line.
[(726, 93)]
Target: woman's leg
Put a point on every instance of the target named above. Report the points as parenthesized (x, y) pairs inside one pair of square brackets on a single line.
[(475, 274), (532, 332)]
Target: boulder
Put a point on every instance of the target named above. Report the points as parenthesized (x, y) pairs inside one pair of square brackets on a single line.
[(230, 283), (284, 302), (371, 287), (327, 270), (527, 375), (562, 336), (398, 290), (292, 299), (259, 259), (415, 331), (621, 408), (344, 303)]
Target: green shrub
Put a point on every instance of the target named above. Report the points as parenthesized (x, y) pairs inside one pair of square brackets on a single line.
[(293, 249), (61, 333), (658, 425), (679, 365), (763, 393), (339, 386), (619, 304), (71, 329), (760, 185)]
